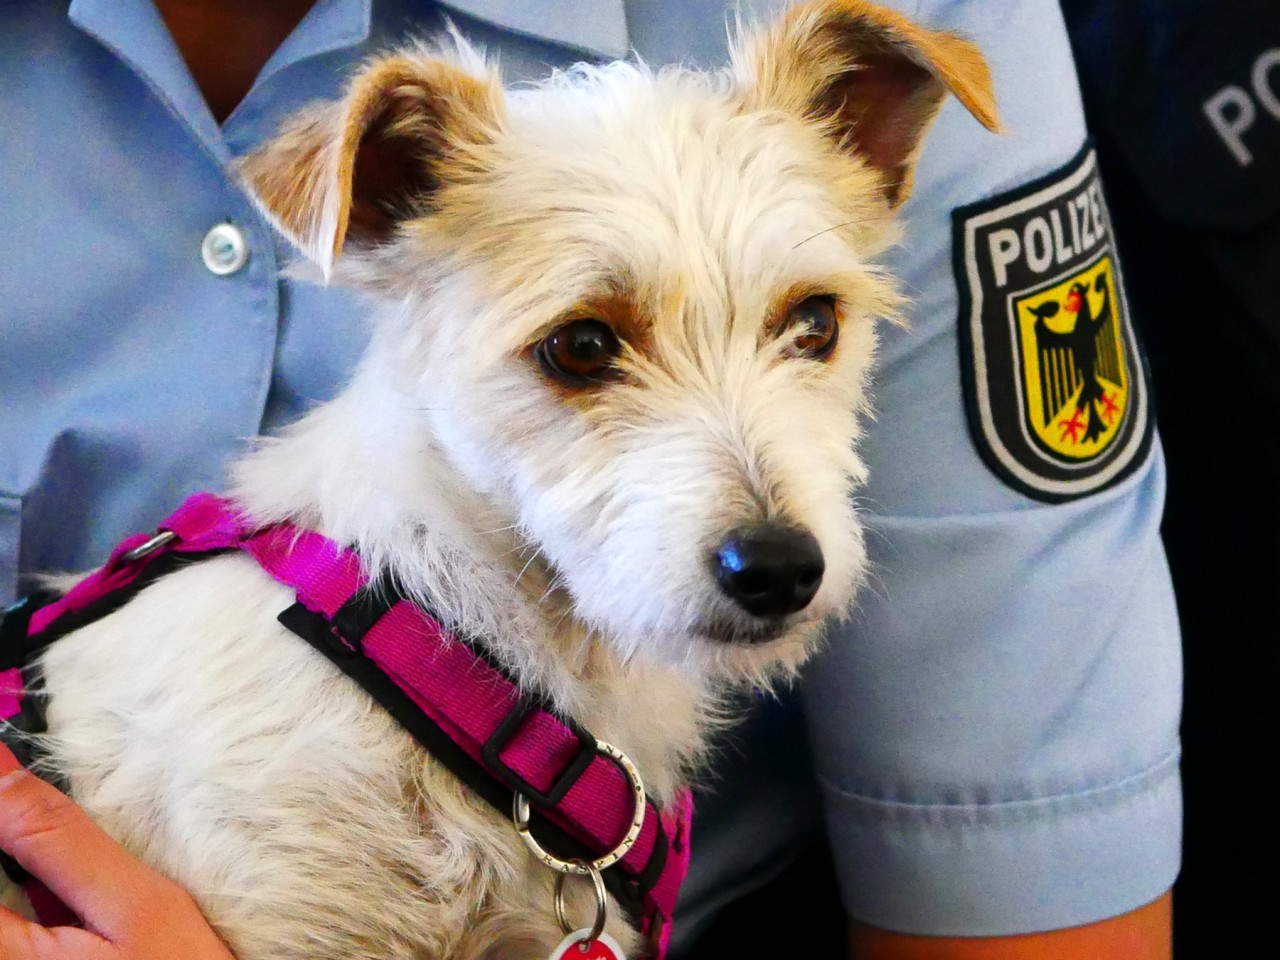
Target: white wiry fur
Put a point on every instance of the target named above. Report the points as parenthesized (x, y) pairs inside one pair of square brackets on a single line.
[(570, 528)]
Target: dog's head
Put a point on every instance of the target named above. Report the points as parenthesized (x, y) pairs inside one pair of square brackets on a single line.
[(638, 309)]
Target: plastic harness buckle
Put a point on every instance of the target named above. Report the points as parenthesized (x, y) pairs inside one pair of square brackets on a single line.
[(507, 729)]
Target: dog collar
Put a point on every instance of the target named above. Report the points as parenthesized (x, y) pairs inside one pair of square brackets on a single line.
[(445, 691)]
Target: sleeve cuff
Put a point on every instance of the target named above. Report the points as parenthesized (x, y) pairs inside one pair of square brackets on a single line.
[(1002, 869)]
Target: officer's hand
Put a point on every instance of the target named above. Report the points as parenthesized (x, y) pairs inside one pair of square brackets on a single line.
[(129, 911)]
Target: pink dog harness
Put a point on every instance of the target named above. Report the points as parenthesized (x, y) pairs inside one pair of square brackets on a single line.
[(442, 689)]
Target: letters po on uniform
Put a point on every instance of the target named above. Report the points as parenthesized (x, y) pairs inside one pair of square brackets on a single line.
[(1231, 111)]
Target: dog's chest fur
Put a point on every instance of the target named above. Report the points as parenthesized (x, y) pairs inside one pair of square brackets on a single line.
[(304, 820)]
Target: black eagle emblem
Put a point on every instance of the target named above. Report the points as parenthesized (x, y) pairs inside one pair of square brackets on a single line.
[(1075, 359)]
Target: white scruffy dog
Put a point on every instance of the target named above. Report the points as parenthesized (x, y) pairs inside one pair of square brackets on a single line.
[(627, 329)]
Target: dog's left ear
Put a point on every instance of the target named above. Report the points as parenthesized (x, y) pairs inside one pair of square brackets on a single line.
[(350, 173), (872, 79)]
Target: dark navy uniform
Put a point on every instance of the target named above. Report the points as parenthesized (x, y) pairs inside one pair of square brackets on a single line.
[(1184, 99)]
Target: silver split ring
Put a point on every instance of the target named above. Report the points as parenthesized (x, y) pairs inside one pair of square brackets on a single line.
[(597, 881), (520, 814)]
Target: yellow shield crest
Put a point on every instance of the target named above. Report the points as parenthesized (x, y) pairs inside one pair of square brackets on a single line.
[(1075, 377)]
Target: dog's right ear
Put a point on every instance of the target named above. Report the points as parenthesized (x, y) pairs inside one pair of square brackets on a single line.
[(351, 172)]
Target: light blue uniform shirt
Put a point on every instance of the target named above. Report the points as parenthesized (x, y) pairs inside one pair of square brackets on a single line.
[(994, 733)]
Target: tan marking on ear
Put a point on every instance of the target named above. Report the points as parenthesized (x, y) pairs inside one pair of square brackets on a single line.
[(428, 113), (962, 68), (290, 176), (361, 166), (952, 59), (869, 76)]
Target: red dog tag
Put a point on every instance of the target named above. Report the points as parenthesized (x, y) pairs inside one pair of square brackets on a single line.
[(603, 947)]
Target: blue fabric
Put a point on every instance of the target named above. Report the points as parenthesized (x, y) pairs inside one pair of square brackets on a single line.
[(993, 732)]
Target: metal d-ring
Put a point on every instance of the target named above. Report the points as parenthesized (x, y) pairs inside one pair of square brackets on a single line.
[(520, 814), (597, 881), (148, 547)]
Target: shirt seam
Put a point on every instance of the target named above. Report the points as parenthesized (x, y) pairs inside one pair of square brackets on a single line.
[(1080, 801)]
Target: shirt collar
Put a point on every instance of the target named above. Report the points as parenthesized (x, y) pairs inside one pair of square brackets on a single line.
[(329, 25), (135, 32), (597, 27)]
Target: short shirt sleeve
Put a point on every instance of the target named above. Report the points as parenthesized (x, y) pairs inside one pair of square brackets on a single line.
[(995, 727)]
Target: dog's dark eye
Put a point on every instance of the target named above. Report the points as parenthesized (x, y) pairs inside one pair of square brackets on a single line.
[(811, 328), (581, 351)]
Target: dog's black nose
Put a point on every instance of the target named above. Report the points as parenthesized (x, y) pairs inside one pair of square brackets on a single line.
[(769, 570)]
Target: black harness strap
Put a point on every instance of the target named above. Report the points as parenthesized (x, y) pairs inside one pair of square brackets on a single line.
[(343, 652), (339, 641)]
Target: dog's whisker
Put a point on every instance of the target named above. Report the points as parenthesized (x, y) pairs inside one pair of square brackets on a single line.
[(525, 568), (503, 529), (556, 583), (814, 236)]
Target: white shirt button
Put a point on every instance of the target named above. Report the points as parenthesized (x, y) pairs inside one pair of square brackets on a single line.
[(224, 249)]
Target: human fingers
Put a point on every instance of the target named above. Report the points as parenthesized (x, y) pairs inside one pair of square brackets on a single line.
[(55, 840), (23, 940), (138, 914), (20, 939)]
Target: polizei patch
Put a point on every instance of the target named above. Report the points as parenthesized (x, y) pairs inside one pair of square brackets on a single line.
[(1054, 384)]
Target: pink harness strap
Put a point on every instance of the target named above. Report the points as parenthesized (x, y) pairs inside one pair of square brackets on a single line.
[(10, 693), (483, 712)]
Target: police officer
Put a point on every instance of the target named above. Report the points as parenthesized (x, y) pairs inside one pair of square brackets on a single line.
[(976, 759)]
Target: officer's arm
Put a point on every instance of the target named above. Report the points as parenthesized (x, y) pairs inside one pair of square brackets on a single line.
[(1144, 934)]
